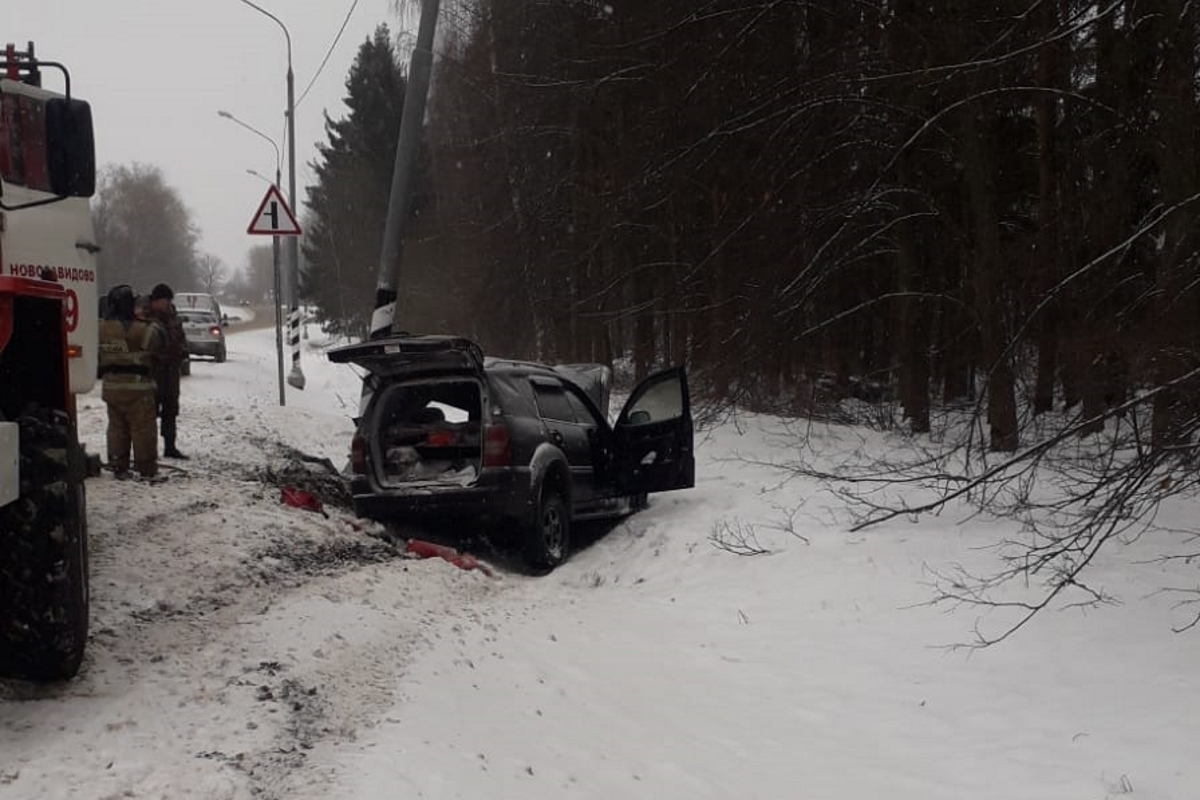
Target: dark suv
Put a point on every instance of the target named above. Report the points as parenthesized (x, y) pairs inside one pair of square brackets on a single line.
[(446, 435)]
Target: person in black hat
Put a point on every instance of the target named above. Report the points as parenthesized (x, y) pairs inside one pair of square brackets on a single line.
[(167, 364)]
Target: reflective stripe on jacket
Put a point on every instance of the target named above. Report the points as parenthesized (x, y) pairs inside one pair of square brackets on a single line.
[(127, 351)]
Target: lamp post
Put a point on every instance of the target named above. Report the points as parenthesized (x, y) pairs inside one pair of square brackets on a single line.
[(292, 275), (275, 286), (262, 177), (275, 290), (275, 277), (384, 320), (256, 132)]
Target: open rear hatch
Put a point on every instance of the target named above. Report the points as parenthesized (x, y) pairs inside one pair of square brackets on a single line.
[(425, 430), (412, 355), (428, 432)]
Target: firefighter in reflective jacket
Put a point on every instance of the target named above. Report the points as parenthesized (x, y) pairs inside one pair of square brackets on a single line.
[(127, 349)]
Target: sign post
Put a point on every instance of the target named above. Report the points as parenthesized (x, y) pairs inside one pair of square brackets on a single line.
[(274, 218)]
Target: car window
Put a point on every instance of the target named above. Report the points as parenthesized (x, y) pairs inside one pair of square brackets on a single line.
[(195, 302), (422, 403), (661, 401), (583, 412), (194, 318), (552, 402), (450, 413)]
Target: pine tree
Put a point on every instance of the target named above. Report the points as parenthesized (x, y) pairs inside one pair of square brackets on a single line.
[(347, 208)]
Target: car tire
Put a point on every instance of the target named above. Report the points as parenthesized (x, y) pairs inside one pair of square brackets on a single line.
[(43, 555), (548, 538), (220, 355), (185, 367)]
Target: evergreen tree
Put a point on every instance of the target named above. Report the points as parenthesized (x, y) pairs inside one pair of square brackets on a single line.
[(348, 205)]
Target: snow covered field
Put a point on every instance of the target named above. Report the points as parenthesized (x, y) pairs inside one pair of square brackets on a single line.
[(246, 649)]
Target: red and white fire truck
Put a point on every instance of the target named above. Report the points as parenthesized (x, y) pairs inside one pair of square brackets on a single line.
[(48, 354)]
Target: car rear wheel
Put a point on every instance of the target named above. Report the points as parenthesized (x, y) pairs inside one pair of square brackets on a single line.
[(220, 356), (548, 539)]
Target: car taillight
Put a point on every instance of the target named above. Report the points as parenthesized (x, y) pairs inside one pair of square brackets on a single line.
[(439, 439), (214, 331), (358, 455), (496, 450)]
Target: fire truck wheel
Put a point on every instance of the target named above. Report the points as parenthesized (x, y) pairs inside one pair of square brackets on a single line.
[(43, 555)]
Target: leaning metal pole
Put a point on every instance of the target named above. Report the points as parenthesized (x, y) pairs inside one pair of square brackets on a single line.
[(384, 319)]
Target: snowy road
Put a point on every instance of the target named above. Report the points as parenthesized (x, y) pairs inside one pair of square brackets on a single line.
[(245, 649), (229, 632)]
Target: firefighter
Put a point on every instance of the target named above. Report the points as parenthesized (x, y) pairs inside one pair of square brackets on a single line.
[(127, 349), (167, 364)]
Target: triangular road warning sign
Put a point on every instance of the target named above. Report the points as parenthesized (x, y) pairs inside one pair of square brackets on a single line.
[(273, 217)]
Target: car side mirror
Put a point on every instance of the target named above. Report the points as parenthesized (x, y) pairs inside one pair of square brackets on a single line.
[(639, 417)]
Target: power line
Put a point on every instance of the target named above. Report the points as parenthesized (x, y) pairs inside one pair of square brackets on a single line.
[(328, 53)]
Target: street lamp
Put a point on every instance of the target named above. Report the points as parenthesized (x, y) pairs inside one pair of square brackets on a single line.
[(296, 378), (259, 133), (275, 280)]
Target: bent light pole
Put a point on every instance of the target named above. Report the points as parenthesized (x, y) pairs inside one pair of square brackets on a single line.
[(292, 274), (384, 319)]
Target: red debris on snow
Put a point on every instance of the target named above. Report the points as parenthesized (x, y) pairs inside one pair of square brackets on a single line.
[(298, 498), (424, 549)]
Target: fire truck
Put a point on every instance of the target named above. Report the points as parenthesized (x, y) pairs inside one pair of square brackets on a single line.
[(48, 355)]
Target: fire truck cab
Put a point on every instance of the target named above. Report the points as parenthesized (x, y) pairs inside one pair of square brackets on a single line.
[(47, 174), (48, 354)]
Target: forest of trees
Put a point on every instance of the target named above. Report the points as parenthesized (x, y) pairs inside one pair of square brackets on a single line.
[(940, 198), (347, 207), (988, 206), (946, 200)]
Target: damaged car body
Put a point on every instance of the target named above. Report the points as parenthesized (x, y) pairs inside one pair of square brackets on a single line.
[(446, 435)]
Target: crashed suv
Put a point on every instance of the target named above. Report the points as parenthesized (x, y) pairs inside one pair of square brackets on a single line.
[(446, 435)]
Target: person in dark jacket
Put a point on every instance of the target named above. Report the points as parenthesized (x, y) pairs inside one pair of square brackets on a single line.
[(127, 349), (167, 364)]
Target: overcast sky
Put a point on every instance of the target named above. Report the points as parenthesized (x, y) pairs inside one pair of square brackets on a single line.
[(157, 72)]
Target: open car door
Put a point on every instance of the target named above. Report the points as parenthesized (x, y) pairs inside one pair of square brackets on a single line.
[(653, 436)]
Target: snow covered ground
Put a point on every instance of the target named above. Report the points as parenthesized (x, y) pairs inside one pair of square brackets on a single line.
[(242, 648)]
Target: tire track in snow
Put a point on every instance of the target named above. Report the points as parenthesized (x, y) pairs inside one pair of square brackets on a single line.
[(230, 635)]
